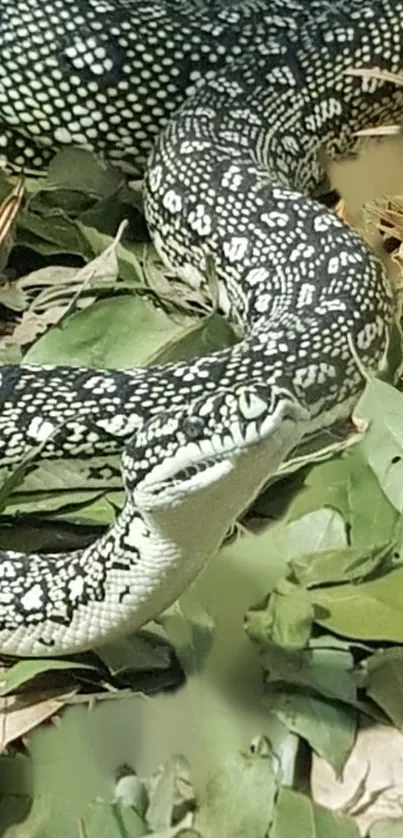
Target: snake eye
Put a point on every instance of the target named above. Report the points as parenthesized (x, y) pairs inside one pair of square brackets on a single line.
[(193, 427)]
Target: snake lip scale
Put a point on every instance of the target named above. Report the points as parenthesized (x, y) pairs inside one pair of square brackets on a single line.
[(227, 110)]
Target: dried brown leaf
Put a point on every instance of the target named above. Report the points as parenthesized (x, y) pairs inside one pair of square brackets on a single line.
[(20, 714), (376, 73), (372, 783), (379, 131), (10, 208)]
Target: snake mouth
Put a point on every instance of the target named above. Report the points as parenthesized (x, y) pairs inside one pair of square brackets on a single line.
[(170, 483), (196, 476), (199, 465), (195, 464)]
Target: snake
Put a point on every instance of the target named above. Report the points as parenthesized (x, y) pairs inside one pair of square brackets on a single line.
[(230, 111)]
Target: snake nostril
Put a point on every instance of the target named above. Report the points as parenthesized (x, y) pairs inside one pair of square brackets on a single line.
[(193, 427)]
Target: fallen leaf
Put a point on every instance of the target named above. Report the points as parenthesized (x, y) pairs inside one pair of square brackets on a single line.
[(384, 682), (328, 726), (367, 611), (20, 714), (26, 670), (372, 784), (298, 817), (239, 797)]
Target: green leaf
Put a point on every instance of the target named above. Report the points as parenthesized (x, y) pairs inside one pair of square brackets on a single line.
[(117, 333), (208, 335), (327, 671), (10, 354), (52, 233), (238, 800), (137, 653), (329, 727), (369, 611), (69, 761), (80, 170), (382, 406), (99, 820), (103, 820), (285, 621), (13, 297), (105, 215), (190, 629), (100, 512), (14, 477), (48, 502), (384, 682), (298, 817), (26, 670), (348, 485), (319, 530), (16, 775), (128, 331), (42, 821), (63, 475), (345, 565)]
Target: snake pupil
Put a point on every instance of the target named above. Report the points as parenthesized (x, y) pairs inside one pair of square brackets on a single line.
[(193, 427)]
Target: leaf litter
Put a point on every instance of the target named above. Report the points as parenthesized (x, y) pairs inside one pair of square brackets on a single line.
[(328, 635)]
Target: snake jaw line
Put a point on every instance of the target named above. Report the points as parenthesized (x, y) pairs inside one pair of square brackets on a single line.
[(165, 493)]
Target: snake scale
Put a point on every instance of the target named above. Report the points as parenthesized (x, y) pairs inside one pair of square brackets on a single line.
[(229, 108)]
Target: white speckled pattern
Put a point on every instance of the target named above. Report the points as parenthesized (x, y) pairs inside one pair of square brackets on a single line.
[(233, 104)]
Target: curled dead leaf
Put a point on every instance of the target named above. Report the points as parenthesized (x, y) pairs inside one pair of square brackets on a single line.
[(371, 788), (21, 713)]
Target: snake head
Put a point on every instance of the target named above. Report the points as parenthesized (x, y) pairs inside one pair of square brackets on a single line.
[(187, 449)]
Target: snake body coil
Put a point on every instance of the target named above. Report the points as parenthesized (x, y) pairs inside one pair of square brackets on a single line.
[(238, 102)]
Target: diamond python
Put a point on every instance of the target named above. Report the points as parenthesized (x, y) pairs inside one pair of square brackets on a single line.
[(230, 109)]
